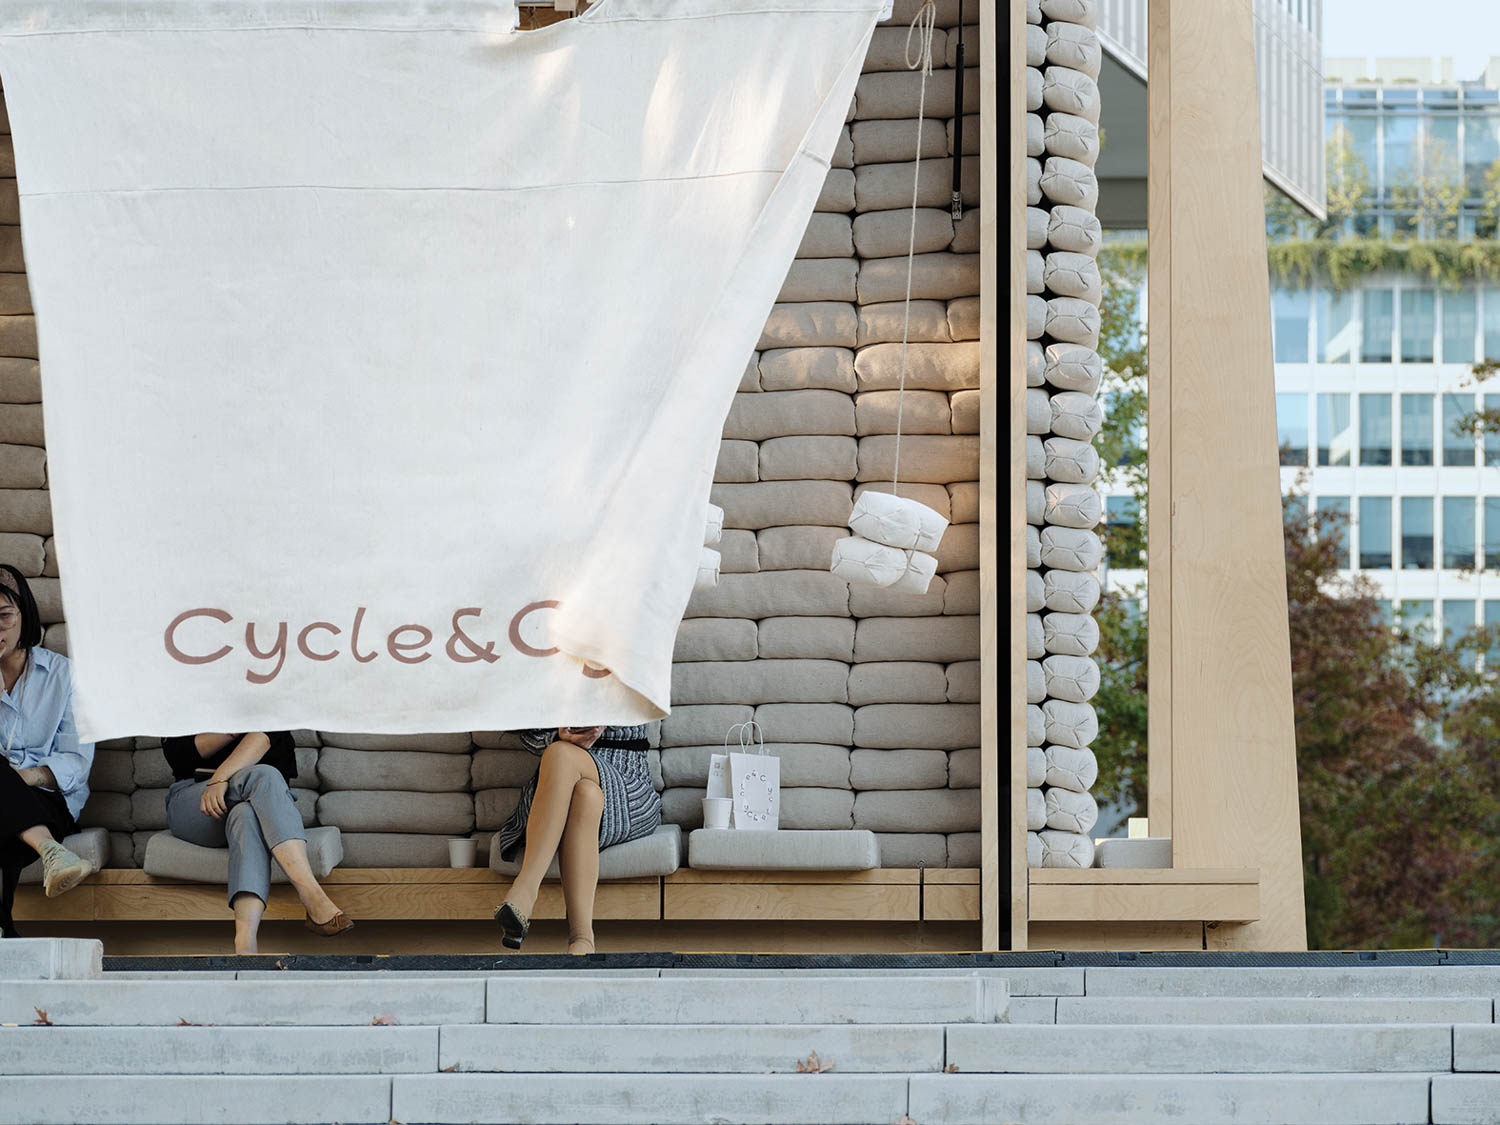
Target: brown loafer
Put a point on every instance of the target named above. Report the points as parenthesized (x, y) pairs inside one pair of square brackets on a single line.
[(335, 925)]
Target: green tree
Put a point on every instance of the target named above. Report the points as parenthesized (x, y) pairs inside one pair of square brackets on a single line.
[(1432, 191)]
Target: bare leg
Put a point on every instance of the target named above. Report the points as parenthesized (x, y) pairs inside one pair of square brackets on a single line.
[(563, 766), (579, 860), (292, 855), (36, 836), (247, 911)]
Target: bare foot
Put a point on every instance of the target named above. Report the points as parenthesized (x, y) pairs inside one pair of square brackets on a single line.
[(579, 946), (246, 948)]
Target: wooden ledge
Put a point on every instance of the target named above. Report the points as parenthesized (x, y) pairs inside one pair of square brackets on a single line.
[(1144, 894)]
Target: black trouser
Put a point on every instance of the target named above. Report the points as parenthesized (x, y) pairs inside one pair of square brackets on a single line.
[(22, 807)]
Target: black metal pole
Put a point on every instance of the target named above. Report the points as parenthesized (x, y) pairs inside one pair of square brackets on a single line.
[(958, 120)]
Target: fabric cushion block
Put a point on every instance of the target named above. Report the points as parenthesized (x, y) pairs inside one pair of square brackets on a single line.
[(1068, 768), (1036, 460), (1036, 637), (728, 849), (91, 844), (918, 575), (1070, 811), (1069, 182), (1069, 460), (1036, 810), (1072, 505), (1036, 272), (1036, 765), (1034, 84), (714, 532), (1070, 724), (1070, 548), (1072, 321), (1143, 851), (897, 521), (1067, 591), (1036, 588), (170, 858), (1072, 367), (1074, 678), (1037, 219), (1038, 411), (1033, 546), (1074, 228), (1065, 849), (1072, 275), (1033, 181), (1036, 364), (1036, 45), (1076, 415), (1072, 634), (1070, 91), (1036, 135), (362, 810), (861, 561), (1033, 850), (410, 770), (1084, 12), (1036, 679), (1072, 45), (1076, 138), (1036, 316), (657, 854), (395, 849), (1036, 730)]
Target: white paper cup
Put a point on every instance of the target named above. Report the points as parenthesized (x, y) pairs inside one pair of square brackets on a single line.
[(462, 853), (716, 812)]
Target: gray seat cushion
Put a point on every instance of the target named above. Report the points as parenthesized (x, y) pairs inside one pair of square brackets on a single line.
[(1143, 851), (657, 854), (171, 858), (729, 849), (91, 844)]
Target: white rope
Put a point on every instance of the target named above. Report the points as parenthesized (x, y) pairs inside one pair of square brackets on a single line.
[(922, 26)]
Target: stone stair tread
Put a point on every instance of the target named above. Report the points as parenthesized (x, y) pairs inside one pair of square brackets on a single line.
[(1270, 1009), (1383, 981)]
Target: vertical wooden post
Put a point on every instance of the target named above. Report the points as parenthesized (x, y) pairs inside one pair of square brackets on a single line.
[(1223, 771)]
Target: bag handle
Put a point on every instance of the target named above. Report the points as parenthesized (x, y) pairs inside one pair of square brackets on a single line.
[(751, 738)]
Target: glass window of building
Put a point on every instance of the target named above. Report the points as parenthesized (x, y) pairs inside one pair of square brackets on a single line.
[(1458, 619), (1459, 325), (1481, 148), (1374, 429), (1492, 621), (1416, 615), (1491, 324), (1458, 441), (1400, 136), (1458, 532), (1378, 325), (1492, 532), (1291, 428), (1122, 538), (1336, 525), (1489, 436), (1416, 533), (1335, 429), (1385, 611), (1375, 533), (1416, 430), (1290, 313), (1418, 325), (1338, 326)]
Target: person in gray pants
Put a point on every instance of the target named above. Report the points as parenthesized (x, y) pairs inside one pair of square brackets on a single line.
[(231, 791)]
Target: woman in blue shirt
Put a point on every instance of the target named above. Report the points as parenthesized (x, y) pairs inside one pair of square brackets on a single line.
[(45, 778)]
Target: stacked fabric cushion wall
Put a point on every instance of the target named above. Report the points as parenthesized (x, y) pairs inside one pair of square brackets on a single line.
[(870, 699), (1063, 508)]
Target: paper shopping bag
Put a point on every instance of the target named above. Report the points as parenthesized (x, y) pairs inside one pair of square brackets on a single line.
[(755, 783)]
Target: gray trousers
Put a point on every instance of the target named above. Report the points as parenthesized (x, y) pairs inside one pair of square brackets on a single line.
[(262, 816)]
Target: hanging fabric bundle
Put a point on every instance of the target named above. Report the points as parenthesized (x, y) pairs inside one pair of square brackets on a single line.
[(895, 535), (710, 562)]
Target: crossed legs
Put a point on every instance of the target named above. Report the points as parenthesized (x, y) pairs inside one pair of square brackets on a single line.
[(566, 811)]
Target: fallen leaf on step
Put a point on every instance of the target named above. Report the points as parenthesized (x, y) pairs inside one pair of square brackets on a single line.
[(813, 1065), (905, 1120), (41, 1018), (450, 1069), (385, 1019), (951, 1068), (187, 1023)]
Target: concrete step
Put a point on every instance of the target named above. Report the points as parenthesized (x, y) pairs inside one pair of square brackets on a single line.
[(1412, 981), (1022, 981), (190, 1100), (219, 1050), (1176, 1049), (748, 999), (1202, 1099), (1466, 1099), (658, 1099), (1266, 1009), (689, 1049), (1477, 1047), (51, 959), (283, 1002)]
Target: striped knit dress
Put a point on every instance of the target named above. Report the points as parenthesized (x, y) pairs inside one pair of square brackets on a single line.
[(632, 806)]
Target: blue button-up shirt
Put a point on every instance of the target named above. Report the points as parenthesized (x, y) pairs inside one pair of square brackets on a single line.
[(39, 727)]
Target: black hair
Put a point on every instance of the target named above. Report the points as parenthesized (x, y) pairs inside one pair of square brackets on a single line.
[(21, 598)]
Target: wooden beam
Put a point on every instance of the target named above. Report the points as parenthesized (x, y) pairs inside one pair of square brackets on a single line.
[(792, 901), (1144, 876), (1116, 935), (1222, 737)]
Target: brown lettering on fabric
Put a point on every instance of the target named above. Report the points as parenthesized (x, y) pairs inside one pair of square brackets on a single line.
[(170, 638), (398, 648), (478, 652), (278, 651), (515, 630), (359, 616), (306, 650)]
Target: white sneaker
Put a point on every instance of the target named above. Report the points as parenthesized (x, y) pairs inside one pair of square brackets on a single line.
[(61, 869)]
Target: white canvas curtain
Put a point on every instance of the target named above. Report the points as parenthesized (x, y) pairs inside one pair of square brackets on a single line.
[(359, 314)]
